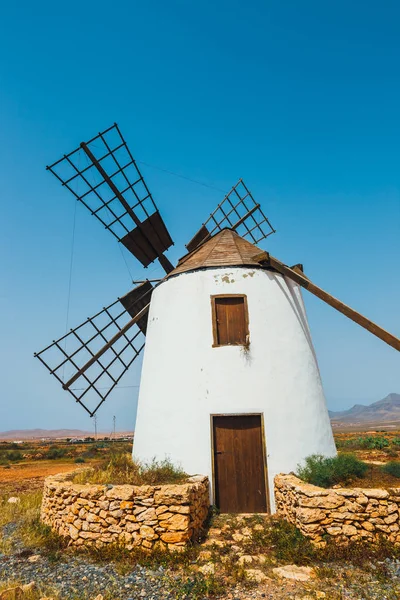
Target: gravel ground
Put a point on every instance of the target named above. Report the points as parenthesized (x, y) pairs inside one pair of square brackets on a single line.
[(77, 577), (74, 576)]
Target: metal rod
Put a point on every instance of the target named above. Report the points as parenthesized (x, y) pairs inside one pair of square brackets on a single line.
[(106, 347)]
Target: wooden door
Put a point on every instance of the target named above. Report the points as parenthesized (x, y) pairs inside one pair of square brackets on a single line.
[(239, 467)]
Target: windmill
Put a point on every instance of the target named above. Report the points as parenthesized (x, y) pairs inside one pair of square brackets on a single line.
[(230, 385)]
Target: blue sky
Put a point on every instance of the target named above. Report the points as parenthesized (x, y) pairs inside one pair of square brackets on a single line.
[(300, 99)]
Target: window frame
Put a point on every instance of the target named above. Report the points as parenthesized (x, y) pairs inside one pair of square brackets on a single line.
[(214, 320)]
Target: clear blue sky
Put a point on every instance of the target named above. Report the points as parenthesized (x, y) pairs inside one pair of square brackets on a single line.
[(301, 99)]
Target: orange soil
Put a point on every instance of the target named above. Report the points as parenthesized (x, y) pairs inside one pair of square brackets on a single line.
[(30, 475)]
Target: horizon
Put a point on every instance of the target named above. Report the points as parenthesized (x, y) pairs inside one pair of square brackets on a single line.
[(300, 101), (121, 430)]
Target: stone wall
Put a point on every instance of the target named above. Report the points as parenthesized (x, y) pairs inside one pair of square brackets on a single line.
[(346, 514), (164, 516)]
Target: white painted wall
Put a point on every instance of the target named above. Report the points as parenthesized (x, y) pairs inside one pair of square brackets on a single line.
[(185, 380)]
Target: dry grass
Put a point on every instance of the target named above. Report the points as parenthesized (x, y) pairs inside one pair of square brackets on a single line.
[(26, 527), (122, 469), (16, 589), (273, 538)]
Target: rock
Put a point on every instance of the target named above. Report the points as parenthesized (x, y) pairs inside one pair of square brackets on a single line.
[(148, 533), (294, 572), (349, 530), (205, 555), (261, 558), (73, 532), (173, 537), (29, 587), (207, 569), (391, 518), (322, 502), (14, 593), (13, 500), (375, 493), (334, 530), (368, 526), (99, 597), (34, 558), (255, 575), (310, 515), (177, 522), (148, 515), (18, 592), (245, 559), (121, 492)]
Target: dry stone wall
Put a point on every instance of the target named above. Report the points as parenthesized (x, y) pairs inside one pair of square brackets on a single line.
[(163, 516), (346, 514)]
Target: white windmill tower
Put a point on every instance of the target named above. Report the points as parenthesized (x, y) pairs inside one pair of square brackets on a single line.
[(230, 384)]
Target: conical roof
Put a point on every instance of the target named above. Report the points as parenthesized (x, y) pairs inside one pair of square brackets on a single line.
[(225, 249)]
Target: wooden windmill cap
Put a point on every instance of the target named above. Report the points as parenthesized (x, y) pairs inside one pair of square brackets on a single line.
[(225, 249)]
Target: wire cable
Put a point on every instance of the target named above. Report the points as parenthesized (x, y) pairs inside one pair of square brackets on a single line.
[(202, 183), (71, 263)]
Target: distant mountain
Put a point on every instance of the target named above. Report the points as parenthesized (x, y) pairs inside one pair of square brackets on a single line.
[(29, 434), (387, 409), (33, 434)]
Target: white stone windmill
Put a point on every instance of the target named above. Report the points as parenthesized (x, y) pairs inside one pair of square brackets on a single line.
[(230, 385)]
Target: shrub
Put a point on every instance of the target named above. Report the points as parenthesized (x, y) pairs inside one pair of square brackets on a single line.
[(289, 544), (54, 453), (392, 468), (121, 468), (326, 471), (371, 442), (365, 442), (79, 460), (14, 455)]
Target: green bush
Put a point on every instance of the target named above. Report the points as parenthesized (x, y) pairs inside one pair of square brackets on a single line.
[(14, 455), (79, 460), (366, 442), (326, 471), (392, 468), (54, 453), (371, 442)]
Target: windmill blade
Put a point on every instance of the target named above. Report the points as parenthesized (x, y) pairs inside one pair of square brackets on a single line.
[(238, 211), (295, 273), (103, 175), (90, 359)]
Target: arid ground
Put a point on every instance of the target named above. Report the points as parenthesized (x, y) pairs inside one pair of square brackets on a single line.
[(238, 558)]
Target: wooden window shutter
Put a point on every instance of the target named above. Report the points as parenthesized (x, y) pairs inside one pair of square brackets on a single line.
[(230, 320)]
